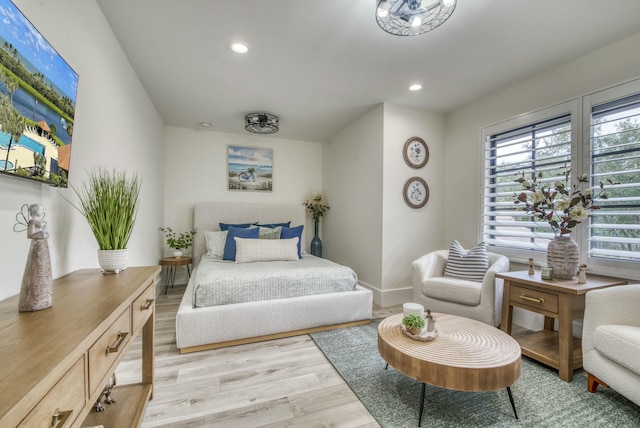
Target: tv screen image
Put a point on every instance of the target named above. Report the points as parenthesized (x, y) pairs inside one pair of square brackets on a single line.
[(37, 102)]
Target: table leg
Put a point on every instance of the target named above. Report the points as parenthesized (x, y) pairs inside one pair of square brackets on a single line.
[(188, 271), (170, 278), (421, 404), (513, 404), (565, 337), (507, 309)]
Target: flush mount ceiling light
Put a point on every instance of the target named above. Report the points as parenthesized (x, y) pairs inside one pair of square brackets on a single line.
[(240, 48), (415, 87), (261, 123), (413, 17)]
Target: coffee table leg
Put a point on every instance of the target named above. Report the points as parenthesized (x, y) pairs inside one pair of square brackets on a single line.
[(421, 404), (513, 405)]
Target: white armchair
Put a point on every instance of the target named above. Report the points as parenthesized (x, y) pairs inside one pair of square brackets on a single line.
[(481, 301), (611, 340)]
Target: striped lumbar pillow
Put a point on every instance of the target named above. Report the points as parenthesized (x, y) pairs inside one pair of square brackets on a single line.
[(470, 265)]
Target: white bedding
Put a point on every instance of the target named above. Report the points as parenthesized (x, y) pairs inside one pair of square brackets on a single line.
[(221, 282)]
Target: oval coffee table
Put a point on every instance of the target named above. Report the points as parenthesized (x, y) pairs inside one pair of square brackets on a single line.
[(467, 355)]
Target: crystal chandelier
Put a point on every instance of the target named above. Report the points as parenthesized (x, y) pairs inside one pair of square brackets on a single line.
[(413, 17)]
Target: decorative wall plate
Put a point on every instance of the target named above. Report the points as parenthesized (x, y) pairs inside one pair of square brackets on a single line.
[(416, 152), (416, 192)]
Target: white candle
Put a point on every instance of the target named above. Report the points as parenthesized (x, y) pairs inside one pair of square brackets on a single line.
[(413, 308)]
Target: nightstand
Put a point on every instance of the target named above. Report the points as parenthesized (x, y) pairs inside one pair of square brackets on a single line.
[(171, 263), (561, 299)]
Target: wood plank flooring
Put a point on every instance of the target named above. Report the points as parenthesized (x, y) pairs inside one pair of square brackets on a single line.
[(279, 383)]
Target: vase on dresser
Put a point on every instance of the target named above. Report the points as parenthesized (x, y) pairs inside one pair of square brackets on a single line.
[(563, 255), (316, 243)]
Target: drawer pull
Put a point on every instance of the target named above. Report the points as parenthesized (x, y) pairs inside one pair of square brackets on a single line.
[(115, 348), (59, 418), (532, 299), (147, 305)]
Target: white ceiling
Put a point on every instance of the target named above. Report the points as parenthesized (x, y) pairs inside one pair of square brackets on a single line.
[(321, 64)]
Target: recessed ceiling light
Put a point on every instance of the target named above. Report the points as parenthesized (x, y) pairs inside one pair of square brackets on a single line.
[(205, 124), (240, 47), (415, 87)]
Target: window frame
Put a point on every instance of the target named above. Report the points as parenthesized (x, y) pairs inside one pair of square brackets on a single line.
[(572, 108), (627, 269)]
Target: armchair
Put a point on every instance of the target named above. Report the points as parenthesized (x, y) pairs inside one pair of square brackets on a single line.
[(481, 301), (611, 340)]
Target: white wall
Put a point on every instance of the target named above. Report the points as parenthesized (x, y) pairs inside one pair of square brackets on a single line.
[(115, 126), (409, 233), (602, 68), (195, 170), (353, 178), (369, 227)]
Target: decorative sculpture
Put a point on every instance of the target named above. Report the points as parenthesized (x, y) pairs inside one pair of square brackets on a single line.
[(36, 289)]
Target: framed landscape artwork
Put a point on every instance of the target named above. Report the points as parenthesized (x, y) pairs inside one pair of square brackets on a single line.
[(37, 102), (250, 168)]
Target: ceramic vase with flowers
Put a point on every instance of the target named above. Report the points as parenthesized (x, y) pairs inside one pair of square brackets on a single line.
[(563, 206), (317, 207)]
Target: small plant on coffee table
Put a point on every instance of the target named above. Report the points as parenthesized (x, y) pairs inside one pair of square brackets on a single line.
[(413, 323)]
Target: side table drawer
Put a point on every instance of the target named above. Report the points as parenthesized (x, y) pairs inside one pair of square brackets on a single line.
[(107, 348), (143, 307), (66, 400), (534, 298)]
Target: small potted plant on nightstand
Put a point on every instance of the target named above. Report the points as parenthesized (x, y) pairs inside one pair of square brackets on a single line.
[(413, 323), (178, 241)]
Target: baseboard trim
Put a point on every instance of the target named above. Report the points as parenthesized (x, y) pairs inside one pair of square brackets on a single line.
[(385, 298)]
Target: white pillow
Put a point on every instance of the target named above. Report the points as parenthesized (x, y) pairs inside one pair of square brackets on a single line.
[(215, 243), (266, 250)]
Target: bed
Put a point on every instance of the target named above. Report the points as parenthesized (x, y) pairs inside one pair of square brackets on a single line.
[(200, 328)]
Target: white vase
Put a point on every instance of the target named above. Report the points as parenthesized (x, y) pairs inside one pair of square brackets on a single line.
[(177, 253), (563, 255), (113, 261)]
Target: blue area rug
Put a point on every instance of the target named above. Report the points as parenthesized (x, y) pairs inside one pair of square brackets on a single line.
[(542, 399)]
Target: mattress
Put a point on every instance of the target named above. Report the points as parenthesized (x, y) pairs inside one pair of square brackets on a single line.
[(220, 282)]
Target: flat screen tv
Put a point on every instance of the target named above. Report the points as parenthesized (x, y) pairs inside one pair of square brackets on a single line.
[(37, 102)]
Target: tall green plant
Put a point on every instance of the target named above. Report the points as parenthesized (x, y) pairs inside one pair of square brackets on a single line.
[(109, 202)]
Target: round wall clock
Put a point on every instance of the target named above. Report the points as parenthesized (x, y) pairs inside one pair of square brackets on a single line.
[(416, 152), (416, 192)]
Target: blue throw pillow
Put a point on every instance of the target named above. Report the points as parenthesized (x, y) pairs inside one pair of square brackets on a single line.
[(230, 243), (274, 225), (293, 232), (225, 226)]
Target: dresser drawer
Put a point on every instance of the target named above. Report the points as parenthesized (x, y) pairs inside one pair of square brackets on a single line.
[(67, 398), (143, 307), (103, 353), (534, 299)]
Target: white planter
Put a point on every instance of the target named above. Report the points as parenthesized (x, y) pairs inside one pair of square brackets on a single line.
[(177, 253), (113, 261)]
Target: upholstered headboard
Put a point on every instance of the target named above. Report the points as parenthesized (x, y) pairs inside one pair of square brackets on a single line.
[(207, 215)]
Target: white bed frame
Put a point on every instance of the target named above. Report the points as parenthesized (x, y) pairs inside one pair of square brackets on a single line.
[(219, 326)]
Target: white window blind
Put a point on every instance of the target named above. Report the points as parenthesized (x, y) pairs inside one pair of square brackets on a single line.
[(614, 229), (541, 147)]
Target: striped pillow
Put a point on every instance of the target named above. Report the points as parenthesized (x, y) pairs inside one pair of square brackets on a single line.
[(471, 265)]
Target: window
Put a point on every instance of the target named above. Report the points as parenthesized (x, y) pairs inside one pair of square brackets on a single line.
[(614, 229), (603, 142), (515, 149)]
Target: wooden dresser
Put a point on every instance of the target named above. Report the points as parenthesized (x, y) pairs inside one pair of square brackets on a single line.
[(54, 363)]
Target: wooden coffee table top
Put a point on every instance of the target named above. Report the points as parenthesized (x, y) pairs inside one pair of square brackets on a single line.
[(467, 355)]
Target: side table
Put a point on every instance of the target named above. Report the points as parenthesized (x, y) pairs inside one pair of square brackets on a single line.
[(561, 299), (171, 263)]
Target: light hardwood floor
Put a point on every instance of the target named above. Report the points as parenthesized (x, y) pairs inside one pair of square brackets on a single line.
[(279, 383)]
